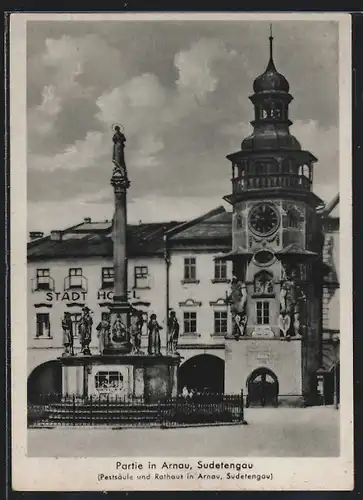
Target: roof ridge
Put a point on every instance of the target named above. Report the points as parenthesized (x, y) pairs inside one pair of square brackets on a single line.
[(185, 225)]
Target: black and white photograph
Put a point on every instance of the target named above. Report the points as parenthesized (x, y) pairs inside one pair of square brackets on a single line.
[(181, 251)]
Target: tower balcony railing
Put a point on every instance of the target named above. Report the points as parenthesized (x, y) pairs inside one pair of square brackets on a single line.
[(270, 181)]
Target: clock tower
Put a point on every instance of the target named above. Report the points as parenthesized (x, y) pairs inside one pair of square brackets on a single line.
[(274, 348)]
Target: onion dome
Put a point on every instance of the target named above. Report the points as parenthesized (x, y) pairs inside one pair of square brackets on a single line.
[(271, 80)]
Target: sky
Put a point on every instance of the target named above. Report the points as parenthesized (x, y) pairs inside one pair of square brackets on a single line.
[(180, 90)]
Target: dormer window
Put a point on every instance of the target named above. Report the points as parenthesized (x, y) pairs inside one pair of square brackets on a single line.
[(43, 280), (141, 275), (75, 279), (108, 277)]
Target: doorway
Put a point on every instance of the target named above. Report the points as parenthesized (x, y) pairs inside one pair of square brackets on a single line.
[(262, 388)]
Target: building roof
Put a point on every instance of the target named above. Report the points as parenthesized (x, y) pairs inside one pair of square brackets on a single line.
[(95, 240), (214, 225)]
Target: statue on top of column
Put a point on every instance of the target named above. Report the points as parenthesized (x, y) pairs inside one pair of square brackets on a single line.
[(118, 154)]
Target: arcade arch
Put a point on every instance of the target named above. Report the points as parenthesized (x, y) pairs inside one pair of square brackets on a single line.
[(44, 380), (203, 373)]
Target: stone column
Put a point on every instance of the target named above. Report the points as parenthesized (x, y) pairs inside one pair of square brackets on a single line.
[(119, 338)]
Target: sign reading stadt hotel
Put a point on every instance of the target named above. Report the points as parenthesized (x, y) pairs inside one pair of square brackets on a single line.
[(74, 296)]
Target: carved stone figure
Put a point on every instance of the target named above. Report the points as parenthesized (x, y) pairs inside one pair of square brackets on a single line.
[(137, 322), (173, 333), (239, 325), (237, 299), (67, 335), (290, 296), (119, 330), (85, 330), (154, 336), (284, 323), (118, 156), (103, 332), (263, 283)]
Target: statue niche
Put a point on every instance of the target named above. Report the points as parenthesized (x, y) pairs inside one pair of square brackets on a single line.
[(263, 283)]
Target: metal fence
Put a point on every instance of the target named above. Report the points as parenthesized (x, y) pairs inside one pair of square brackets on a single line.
[(54, 410)]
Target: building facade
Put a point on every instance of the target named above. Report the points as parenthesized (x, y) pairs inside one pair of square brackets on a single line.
[(278, 246)]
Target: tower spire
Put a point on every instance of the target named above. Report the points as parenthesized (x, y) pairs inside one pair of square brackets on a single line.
[(271, 40)]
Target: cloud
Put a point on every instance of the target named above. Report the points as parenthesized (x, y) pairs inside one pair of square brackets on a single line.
[(80, 155), (322, 142), (195, 66), (184, 105)]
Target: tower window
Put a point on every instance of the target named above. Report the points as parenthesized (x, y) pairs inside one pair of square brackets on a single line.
[(292, 219), (262, 312), (239, 221)]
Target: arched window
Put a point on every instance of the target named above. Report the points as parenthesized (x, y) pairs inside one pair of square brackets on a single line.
[(263, 283)]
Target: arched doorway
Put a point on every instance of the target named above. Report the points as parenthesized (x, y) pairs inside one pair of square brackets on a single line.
[(202, 374), (45, 380), (262, 388)]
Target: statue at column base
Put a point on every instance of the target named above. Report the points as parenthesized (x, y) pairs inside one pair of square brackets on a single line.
[(67, 335), (85, 331), (154, 336), (103, 329), (173, 334), (136, 329)]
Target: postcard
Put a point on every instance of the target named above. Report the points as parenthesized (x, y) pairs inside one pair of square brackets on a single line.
[(180, 193)]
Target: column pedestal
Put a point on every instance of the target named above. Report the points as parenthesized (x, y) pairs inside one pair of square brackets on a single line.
[(119, 337)]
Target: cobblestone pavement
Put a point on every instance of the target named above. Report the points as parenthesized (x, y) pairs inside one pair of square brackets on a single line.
[(271, 432)]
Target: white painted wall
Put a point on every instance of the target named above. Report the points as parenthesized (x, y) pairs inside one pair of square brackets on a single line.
[(205, 292), (92, 271)]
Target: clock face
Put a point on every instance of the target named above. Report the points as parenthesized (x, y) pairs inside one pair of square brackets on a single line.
[(264, 219)]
